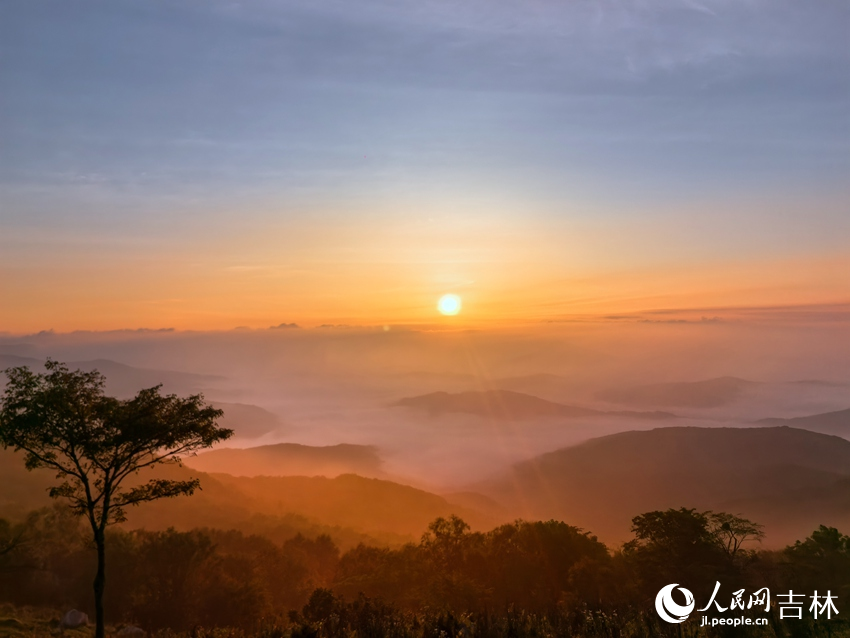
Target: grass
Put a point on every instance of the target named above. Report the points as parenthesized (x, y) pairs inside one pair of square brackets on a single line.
[(33, 622)]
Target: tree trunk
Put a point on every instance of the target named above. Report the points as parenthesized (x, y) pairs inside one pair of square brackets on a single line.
[(99, 583)]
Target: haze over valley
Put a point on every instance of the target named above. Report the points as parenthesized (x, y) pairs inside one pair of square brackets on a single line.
[(433, 421), (423, 318)]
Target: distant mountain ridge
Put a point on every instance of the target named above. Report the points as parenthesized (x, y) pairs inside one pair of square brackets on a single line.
[(788, 479), (291, 459), (768, 474), (710, 393), (124, 381), (835, 423), (249, 421), (365, 505), (506, 404)]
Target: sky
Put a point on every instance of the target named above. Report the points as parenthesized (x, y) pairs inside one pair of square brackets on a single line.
[(210, 164)]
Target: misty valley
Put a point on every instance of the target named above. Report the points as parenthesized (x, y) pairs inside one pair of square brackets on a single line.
[(424, 319), (380, 499)]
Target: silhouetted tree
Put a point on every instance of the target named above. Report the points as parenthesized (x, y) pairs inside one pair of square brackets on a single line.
[(822, 561), (452, 552), (532, 563), (320, 556), (167, 570), (685, 544), (62, 421), (444, 541), (730, 532)]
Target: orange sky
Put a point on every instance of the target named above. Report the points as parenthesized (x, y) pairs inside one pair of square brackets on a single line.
[(504, 274), (195, 171)]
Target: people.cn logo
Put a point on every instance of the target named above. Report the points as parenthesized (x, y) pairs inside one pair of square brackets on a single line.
[(668, 609)]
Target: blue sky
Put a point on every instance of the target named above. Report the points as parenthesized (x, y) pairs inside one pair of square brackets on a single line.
[(148, 100), (127, 118)]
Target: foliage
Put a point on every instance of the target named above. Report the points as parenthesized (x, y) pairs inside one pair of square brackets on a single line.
[(533, 578), (685, 545), (62, 421), (526, 578)]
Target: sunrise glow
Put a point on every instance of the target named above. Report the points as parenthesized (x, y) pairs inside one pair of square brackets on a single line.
[(449, 305)]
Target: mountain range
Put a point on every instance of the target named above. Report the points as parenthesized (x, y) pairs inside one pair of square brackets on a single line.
[(291, 459), (837, 423), (710, 393), (510, 405), (790, 480), (379, 508), (123, 381)]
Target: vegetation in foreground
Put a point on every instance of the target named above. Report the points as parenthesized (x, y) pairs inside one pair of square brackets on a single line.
[(543, 578), (520, 579), (95, 444)]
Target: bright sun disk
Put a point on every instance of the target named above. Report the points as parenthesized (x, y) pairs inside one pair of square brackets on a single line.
[(449, 305)]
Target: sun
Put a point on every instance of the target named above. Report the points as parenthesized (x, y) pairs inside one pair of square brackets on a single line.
[(449, 305)]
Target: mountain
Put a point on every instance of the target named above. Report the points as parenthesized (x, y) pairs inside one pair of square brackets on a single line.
[(550, 386), (710, 393), (378, 508), (506, 404), (122, 380), (248, 421), (769, 474), (836, 423), (365, 504), (290, 459)]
